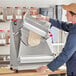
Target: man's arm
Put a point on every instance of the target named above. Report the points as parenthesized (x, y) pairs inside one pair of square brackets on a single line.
[(61, 25), (65, 55)]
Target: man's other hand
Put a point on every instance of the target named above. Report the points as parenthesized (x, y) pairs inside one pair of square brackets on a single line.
[(43, 69)]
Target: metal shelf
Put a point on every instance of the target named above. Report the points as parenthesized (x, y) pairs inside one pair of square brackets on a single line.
[(5, 50)]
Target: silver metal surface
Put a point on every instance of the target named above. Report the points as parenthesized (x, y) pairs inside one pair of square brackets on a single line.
[(23, 56), (40, 27)]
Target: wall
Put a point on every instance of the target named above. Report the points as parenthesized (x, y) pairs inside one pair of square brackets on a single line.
[(37, 3)]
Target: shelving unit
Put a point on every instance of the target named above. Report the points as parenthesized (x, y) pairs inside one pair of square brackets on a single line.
[(4, 50)]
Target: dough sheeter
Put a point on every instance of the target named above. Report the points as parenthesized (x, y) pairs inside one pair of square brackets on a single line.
[(23, 56)]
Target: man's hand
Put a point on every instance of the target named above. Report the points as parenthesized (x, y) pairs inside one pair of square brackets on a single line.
[(43, 69), (41, 17)]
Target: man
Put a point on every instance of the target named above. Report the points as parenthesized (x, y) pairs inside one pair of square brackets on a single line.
[(68, 54)]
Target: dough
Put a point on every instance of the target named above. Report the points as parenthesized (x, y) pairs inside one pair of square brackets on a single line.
[(34, 39)]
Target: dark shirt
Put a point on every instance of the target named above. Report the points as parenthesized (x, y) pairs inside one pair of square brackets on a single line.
[(70, 46)]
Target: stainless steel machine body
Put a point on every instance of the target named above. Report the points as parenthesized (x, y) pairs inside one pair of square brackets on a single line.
[(23, 56)]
